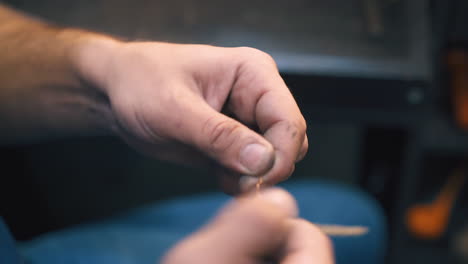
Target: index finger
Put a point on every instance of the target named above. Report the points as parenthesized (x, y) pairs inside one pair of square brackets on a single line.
[(260, 98)]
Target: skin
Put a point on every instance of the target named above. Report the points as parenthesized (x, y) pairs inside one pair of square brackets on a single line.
[(194, 104), (255, 229)]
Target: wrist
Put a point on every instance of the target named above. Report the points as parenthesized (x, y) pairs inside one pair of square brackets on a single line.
[(91, 55)]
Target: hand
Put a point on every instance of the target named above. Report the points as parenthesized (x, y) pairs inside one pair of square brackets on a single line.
[(255, 229), (184, 102)]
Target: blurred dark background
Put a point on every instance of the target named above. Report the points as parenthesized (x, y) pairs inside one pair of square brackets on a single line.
[(371, 76)]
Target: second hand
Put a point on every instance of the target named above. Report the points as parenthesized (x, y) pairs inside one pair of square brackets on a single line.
[(331, 230)]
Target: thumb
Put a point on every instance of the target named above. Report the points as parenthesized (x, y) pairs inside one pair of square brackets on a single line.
[(231, 143), (245, 231)]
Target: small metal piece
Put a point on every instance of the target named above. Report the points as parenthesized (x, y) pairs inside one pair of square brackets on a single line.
[(259, 184)]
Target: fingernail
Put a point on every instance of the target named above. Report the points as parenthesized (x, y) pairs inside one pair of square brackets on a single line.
[(247, 183), (282, 199), (255, 158)]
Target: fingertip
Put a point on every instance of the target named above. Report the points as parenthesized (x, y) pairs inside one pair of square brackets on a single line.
[(303, 150), (281, 199), (247, 183), (281, 170)]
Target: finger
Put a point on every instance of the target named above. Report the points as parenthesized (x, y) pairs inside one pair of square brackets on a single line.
[(260, 96), (222, 138), (285, 130), (172, 152), (306, 244), (303, 150), (246, 231), (228, 180)]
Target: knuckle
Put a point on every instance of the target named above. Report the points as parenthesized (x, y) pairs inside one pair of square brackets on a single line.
[(304, 146), (296, 129), (301, 126), (256, 55), (303, 150), (249, 50)]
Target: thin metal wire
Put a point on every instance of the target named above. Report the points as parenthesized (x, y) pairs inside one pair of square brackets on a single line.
[(259, 184)]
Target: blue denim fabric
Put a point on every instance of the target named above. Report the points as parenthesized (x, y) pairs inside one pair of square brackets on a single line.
[(8, 254), (143, 235)]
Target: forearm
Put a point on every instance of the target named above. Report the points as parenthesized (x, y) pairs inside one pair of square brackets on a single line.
[(42, 93)]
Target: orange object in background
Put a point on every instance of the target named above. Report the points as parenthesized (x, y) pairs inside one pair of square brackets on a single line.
[(429, 221), (458, 66)]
